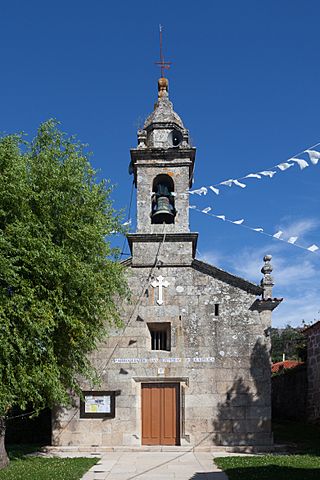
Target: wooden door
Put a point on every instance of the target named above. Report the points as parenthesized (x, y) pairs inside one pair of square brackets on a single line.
[(160, 418)]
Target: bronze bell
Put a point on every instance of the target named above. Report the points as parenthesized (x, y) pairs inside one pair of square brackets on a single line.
[(163, 211)]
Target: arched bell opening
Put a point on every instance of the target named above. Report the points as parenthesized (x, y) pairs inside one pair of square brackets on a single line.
[(175, 138), (162, 203)]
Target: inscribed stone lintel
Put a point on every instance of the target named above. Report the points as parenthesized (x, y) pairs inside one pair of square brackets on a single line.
[(154, 360), (184, 380)]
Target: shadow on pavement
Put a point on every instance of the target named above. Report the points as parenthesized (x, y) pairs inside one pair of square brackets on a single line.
[(209, 476)]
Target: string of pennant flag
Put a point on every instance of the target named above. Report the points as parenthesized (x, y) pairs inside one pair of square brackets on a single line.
[(314, 157), (241, 222)]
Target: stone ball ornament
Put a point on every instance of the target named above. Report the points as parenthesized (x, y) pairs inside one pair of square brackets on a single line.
[(267, 267)]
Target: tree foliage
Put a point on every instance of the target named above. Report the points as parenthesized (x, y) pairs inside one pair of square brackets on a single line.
[(58, 277), (289, 341)]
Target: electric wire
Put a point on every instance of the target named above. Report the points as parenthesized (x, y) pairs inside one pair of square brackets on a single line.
[(137, 304), (128, 219)]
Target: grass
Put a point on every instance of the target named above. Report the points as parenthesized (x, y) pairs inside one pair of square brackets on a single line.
[(22, 467), (304, 464), (271, 467), (306, 437)]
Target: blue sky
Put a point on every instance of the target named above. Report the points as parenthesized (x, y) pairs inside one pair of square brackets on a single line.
[(244, 79)]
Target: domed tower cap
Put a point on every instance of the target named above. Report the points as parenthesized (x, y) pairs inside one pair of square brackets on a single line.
[(163, 110)]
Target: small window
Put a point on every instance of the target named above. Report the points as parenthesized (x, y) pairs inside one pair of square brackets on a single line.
[(216, 309), (160, 334)]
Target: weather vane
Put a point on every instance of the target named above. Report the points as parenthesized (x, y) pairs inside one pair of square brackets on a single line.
[(162, 64)]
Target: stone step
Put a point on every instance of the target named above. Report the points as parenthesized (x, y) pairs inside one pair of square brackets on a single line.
[(96, 450)]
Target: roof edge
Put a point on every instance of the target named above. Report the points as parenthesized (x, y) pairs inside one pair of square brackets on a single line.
[(227, 277), (127, 262), (218, 273), (311, 327)]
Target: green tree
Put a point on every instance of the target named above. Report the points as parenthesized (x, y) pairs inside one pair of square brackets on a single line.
[(289, 341), (59, 281)]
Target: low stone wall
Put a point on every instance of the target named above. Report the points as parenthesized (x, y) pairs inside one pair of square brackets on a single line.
[(313, 403), (289, 393)]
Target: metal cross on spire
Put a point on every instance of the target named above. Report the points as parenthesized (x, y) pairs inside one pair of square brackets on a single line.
[(162, 64)]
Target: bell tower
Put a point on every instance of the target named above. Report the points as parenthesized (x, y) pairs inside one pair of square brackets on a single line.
[(162, 165)]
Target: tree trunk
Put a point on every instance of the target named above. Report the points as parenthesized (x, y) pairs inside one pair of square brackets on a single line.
[(4, 460)]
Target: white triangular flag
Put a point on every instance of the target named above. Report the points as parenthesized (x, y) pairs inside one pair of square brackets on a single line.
[(221, 216), (206, 210), (284, 166), (238, 222), (313, 155), (200, 191), (258, 229), (313, 248), (268, 173), (292, 240), (302, 163), (214, 189), (253, 175), (278, 234), (228, 183), (239, 184)]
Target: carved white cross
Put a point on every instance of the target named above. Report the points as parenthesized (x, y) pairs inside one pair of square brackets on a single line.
[(160, 283)]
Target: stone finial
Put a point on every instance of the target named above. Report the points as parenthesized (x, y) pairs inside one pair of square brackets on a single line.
[(163, 87), (185, 137), (142, 138), (267, 267), (267, 280)]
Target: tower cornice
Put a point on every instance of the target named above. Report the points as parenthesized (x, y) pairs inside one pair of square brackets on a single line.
[(163, 157), (185, 250), (168, 153)]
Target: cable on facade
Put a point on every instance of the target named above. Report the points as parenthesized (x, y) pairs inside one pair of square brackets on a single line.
[(139, 298)]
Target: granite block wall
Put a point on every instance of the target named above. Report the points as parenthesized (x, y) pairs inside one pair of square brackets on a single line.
[(221, 362)]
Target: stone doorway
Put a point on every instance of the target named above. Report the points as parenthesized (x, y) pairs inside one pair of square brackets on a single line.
[(160, 404)]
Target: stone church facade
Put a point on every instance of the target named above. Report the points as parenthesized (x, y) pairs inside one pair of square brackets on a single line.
[(191, 364)]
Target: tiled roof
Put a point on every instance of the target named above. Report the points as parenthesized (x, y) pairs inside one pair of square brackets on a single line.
[(278, 366)]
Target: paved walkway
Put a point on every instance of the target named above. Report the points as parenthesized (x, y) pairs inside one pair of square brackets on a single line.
[(155, 466)]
